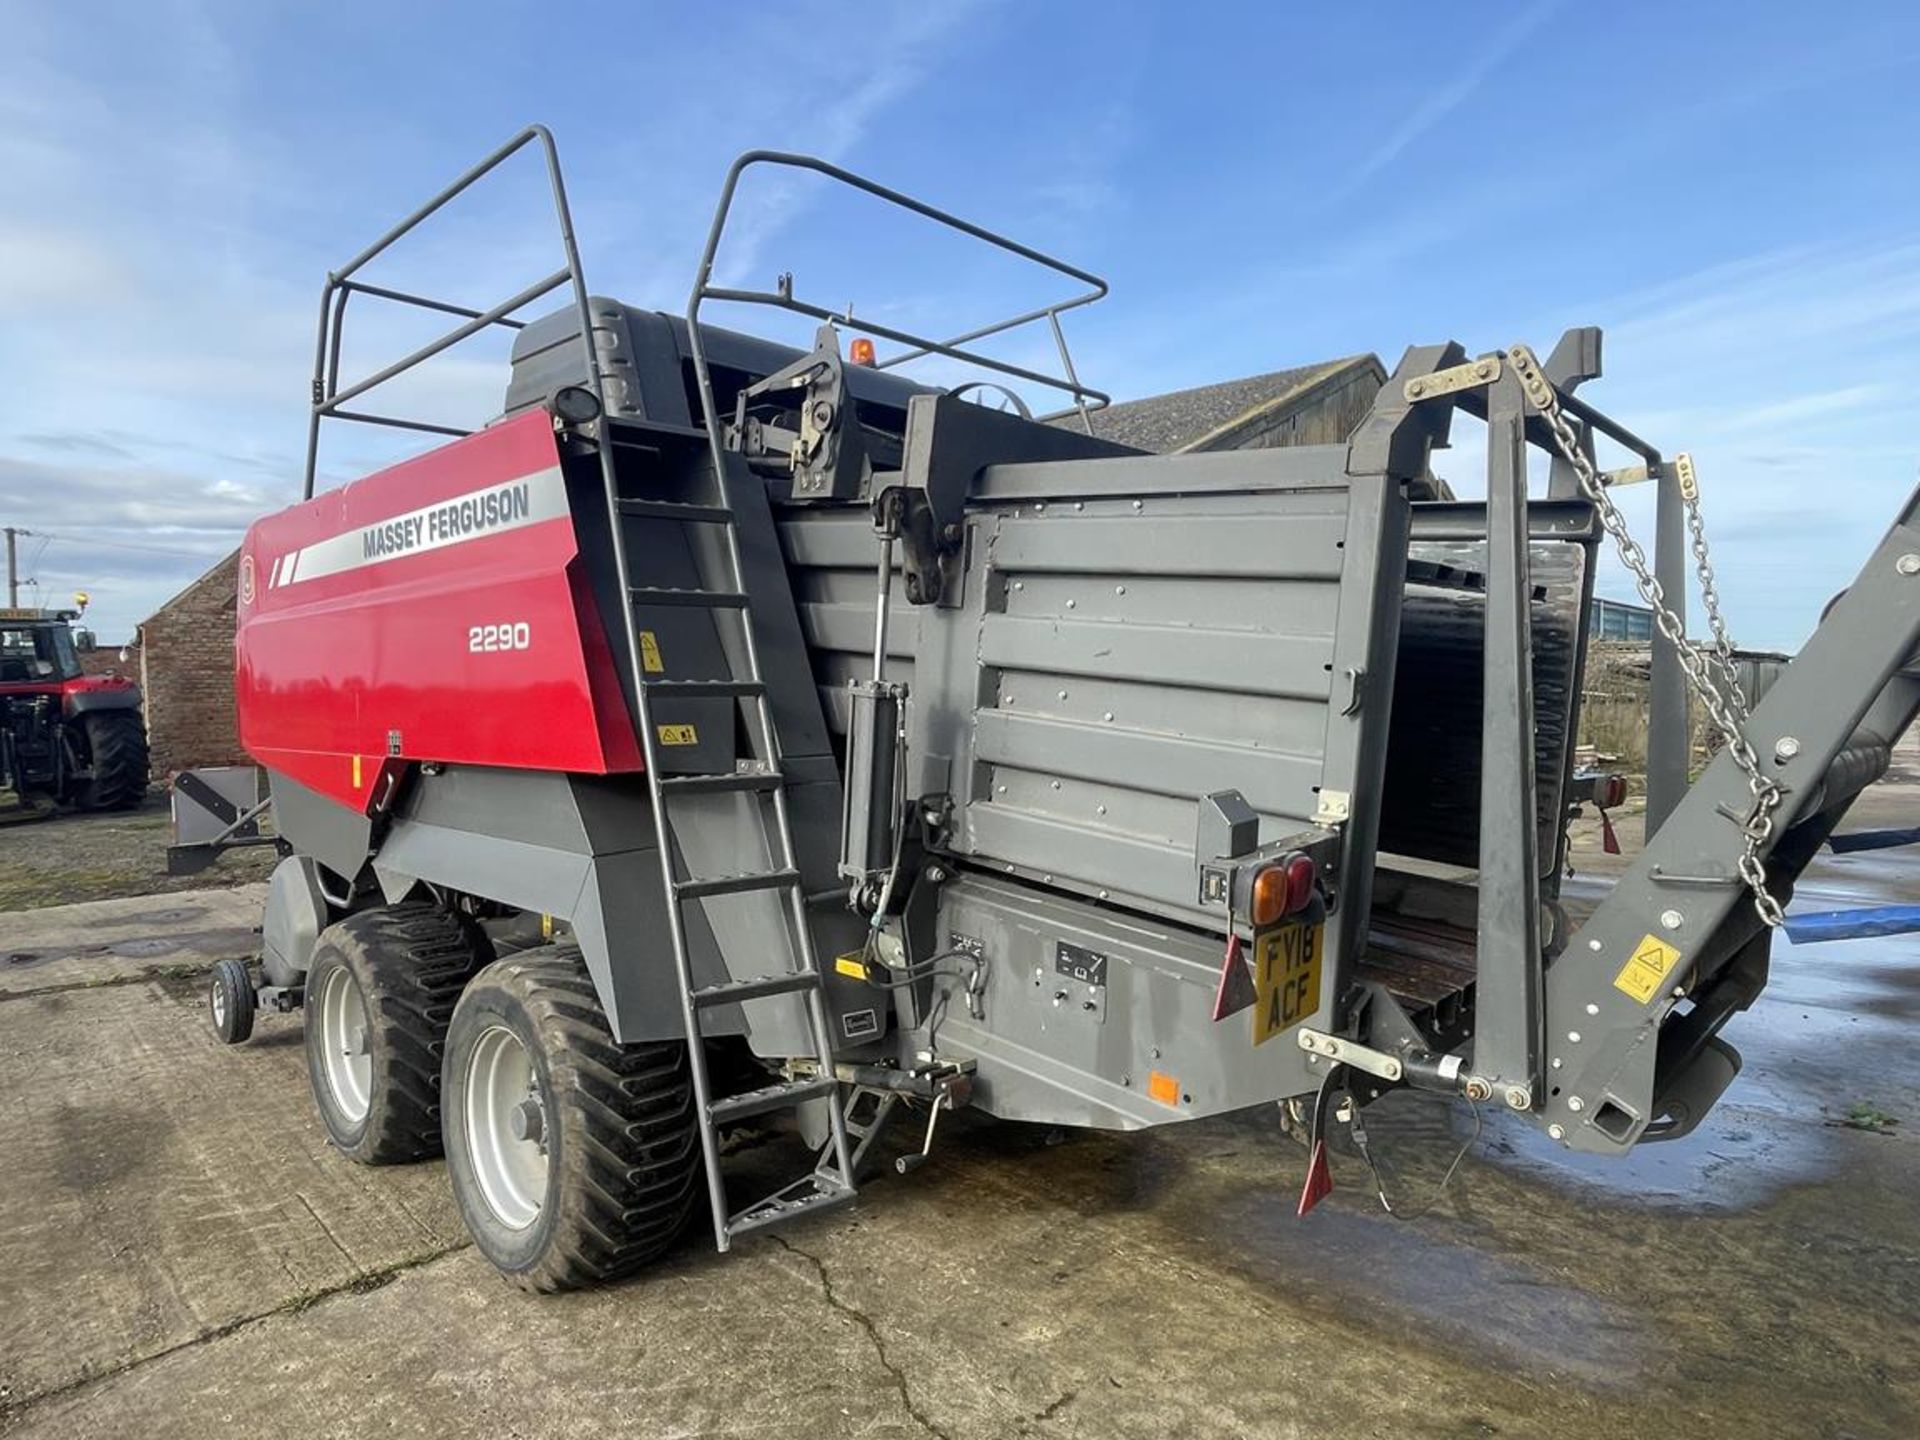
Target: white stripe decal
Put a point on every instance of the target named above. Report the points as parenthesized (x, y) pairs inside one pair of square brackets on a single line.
[(491, 510)]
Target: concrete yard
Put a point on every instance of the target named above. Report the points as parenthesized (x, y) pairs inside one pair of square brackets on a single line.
[(182, 1254)]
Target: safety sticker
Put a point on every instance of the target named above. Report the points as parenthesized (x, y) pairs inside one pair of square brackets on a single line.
[(678, 734), (851, 965), (650, 660), (1646, 969)]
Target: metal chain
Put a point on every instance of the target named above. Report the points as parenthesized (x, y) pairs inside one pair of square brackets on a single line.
[(1728, 711), (1709, 592)]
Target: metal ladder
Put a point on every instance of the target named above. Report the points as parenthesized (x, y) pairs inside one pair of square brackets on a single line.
[(831, 1181)]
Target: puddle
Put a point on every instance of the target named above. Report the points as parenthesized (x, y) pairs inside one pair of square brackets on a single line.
[(172, 915), (1400, 1275), (144, 949)]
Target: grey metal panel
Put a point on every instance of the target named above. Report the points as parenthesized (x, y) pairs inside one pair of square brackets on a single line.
[(1272, 780), (847, 627), (1114, 659), (1086, 1059), (1298, 466), (582, 849), (1238, 661), (295, 914), (339, 838), (1175, 545)]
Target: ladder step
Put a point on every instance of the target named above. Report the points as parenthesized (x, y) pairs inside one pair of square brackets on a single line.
[(724, 785), (783, 1096), (711, 599), (735, 884), (676, 510), (735, 991), (703, 689), (817, 1191)]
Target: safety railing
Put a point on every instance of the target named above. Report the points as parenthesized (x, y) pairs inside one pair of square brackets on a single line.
[(329, 398), (1084, 399)]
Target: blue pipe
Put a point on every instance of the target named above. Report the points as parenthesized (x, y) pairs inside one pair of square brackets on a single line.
[(1853, 924), (1872, 840)]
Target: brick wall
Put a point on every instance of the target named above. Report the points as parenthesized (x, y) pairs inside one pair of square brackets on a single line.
[(186, 672), (105, 659)]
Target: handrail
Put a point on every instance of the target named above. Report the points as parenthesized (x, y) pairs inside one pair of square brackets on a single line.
[(919, 346), (328, 397)]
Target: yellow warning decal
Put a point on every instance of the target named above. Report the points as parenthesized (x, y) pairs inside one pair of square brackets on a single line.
[(650, 660), (678, 734), (1646, 969), (851, 965)]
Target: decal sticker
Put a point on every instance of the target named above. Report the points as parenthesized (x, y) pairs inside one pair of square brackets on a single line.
[(859, 1024), (494, 510), (246, 579), (650, 660), (851, 965), (1646, 969), (1076, 962), (507, 635), (678, 734)]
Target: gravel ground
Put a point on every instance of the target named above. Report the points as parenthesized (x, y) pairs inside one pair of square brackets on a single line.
[(71, 858)]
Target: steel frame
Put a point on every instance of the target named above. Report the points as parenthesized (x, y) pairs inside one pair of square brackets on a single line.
[(328, 398), (919, 345)]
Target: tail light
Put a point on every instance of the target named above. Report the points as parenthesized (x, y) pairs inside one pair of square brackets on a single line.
[(1283, 888)]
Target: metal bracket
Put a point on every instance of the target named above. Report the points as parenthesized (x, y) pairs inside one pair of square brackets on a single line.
[(1627, 475), (1538, 389), (1351, 1052), (1483, 371), (1683, 472)]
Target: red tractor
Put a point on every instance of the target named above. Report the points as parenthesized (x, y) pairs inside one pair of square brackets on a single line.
[(66, 737)]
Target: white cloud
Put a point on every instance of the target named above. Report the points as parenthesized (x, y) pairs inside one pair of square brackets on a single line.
[(1447, 97)]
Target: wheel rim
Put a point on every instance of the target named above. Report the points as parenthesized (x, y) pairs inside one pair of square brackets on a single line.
[(505, 1128), (219, 1006), (344, 1046)]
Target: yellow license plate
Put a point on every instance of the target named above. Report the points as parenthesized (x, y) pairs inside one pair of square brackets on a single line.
[(1286, 978)]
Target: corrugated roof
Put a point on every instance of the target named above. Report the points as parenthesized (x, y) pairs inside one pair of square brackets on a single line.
[(1166, 423)]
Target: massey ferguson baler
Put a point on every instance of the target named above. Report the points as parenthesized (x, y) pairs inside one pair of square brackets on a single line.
[(727, 702)]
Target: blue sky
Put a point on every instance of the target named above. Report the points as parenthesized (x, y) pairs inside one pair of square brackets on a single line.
[(1729, 190)]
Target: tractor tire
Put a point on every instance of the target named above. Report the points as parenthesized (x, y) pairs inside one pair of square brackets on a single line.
[(230, 1001), (117, 747), (379, 994), (574, 1160)]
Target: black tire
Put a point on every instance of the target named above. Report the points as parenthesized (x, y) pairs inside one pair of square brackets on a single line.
[(117, 749), (230, 1001), (406, 965), (621, 1142)]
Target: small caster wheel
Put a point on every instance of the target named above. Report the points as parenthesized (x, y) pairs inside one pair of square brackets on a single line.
[(230, 997)]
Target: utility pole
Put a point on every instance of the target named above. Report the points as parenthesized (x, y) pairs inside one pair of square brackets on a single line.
[(13, 571)]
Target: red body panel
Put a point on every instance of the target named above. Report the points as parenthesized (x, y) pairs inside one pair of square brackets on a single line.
[(436, 610), (67, 689)]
